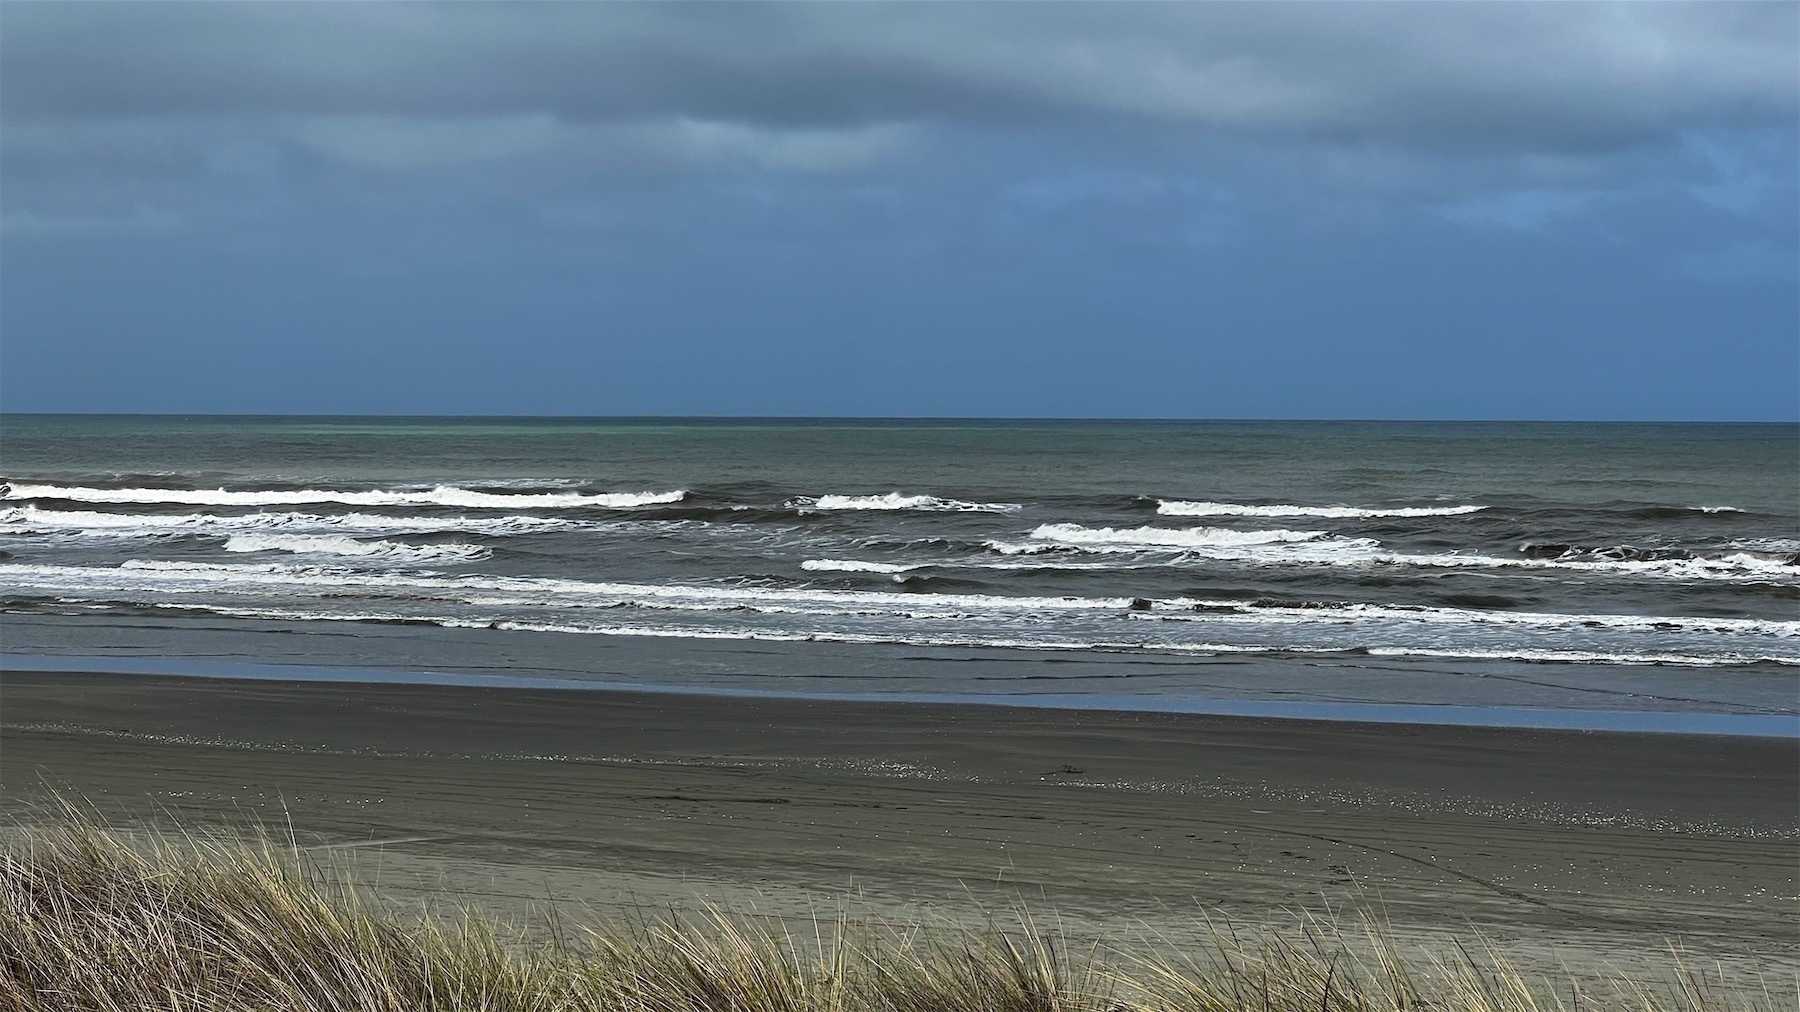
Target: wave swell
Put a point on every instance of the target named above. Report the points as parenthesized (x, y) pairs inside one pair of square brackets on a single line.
[(35, 520), (338, 545), (854, 566), (1163, 537), (897, 501), (442, 495), (1182, 508)]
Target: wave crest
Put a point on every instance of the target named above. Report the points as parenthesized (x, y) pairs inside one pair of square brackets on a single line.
[(855, 566), (896, 501), (34, 520), (442, 495), (1164, 537), (328, 544), (1183, 508)]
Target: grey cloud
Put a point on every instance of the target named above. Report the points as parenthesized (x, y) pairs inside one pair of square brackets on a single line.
[(399, 143), (1490, 76)]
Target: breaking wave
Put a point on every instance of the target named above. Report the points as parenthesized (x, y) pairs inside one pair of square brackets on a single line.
[(290, 580), (1734, 566), (442, 495), (853, 566), (1344, 612), (34, 520), (896, 501), (354, 591), (1181, 508), (325, 544), (1162, 537), (1318, 548)]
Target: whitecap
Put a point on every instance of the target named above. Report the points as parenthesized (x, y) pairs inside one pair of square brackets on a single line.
[(1182, 508), (1236, 612), (854, 566), (442, 495), (35, 520), (1164, 537), (1735, 566), (338, 545), (978, 640), (168, 576), (1286, 547), (897, 501), (1779, 546)]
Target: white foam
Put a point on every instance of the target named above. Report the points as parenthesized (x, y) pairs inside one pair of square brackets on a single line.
[(331, 544), (938, 639), (1285, 547), (1235, 612), (854, 566), (442, 495), (896, 501), (169, 577), (1584, 656), (1181, 508), (1779, 546), (301, 592), (1042, 548), (1736, 567), (1164, 537), (1716, 509), (34, 520), (723, 633)]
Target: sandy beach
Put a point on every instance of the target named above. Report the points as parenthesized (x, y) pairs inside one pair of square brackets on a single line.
[(1585, 848)]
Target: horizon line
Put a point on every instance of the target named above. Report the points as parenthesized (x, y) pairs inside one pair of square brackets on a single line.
[(499, 416)]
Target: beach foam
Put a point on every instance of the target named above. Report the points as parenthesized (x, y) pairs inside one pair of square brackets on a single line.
[(160, 576), (923, 638)]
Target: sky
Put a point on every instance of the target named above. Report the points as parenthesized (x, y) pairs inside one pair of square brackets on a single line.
[(1173, 210)]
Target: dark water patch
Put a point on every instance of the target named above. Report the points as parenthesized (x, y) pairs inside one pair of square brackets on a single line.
[(924, 583), (1497, 602), (1228, 592), (732, 513), (910, 582)]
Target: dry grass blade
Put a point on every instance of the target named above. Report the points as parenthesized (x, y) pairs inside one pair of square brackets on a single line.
[(100, 920)]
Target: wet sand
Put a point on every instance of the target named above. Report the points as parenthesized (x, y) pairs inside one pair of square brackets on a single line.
[(1578, 847)]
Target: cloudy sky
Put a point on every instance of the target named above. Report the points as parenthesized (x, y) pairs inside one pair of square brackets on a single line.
[(1410, 210)]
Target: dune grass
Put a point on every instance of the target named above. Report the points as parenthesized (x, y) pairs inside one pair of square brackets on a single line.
[(93, 918)]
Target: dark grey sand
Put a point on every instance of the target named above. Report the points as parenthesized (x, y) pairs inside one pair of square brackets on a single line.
[(1594, 848)]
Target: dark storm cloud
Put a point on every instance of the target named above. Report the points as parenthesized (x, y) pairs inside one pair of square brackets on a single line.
[(1506, 77)]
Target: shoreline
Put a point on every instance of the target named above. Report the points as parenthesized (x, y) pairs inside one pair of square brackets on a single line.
[(1588, 847), (1776, 726)]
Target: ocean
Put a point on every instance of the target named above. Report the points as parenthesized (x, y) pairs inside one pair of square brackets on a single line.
[(1603, 575)]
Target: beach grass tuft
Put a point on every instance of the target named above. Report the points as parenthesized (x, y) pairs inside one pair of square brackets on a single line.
[(100, 919)]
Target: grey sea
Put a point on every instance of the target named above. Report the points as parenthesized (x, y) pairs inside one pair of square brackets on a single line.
[(1575, 575)]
